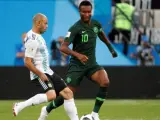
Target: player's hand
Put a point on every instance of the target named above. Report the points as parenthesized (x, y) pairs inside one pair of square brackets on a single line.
[(82, 58), (43, 77), (114, 54)]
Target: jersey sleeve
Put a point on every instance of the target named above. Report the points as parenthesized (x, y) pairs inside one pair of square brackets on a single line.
[(31, 48), (100, 29), (71, 34)]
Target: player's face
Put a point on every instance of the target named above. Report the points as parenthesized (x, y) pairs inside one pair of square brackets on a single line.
[(85, 13), (43, 25)]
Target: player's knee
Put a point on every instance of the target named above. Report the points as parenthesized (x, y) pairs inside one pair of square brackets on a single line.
[(67, 93), (51, 95), (73, 89), (105, 83)]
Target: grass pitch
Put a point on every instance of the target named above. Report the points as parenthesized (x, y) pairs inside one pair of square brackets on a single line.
[(111, 110)]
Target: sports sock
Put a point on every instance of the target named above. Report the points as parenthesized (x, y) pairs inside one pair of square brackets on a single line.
[(35, 100), (55, 103), (71, 109), (100, 99)]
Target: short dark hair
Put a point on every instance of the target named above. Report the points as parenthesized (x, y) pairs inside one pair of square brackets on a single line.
[(85, 3)]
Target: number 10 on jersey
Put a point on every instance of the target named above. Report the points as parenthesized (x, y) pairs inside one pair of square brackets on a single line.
[(85, 38)]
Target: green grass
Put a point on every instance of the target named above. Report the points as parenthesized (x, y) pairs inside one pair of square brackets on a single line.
[(111, 110)]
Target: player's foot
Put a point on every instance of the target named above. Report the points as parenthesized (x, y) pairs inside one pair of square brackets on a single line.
[(16, 109), (44, 114), (95, 116)]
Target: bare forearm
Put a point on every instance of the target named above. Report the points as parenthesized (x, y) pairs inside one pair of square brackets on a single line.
[(32, 68), (109, 46), (68, 51), (107, 43), (104, 39)]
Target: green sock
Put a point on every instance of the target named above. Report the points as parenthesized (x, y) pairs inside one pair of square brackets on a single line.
[(55, 103), (100, 99)]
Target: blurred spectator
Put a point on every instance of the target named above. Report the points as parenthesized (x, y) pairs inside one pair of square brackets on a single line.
[(115, 1), (19, 60), (144, 53), (123, 19), (53, 52), (58, 58)]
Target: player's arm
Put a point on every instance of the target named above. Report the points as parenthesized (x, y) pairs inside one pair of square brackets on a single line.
[(30, 51), (65, 46), (65, 49), (103, 38), (31, 67)]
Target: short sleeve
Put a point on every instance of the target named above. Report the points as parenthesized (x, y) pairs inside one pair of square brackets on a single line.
[(31, 48), (99, 27), (71, 34)]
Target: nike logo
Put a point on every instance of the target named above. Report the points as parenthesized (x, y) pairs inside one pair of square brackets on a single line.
[(83, 31)]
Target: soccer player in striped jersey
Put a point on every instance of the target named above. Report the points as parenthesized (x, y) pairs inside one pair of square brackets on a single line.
[(37, 61)]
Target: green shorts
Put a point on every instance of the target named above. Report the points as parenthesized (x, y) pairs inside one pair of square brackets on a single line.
[(76, 73)]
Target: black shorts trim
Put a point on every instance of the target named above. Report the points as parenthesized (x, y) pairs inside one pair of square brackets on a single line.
[(45, 85), (55, 83), (58, 82)]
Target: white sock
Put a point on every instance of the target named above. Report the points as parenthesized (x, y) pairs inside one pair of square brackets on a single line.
[(94, 113), (35, 100), (71, 109)]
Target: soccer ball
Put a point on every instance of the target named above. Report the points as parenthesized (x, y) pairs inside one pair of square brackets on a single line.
[(87, 117)]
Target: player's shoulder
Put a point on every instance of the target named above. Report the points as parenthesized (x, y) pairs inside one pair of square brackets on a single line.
[(95, 22), (31, 37), (76, 25)]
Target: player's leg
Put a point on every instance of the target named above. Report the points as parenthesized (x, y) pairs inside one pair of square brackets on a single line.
[(73, 80), (52, 105), (100, 76), (66, 97), (58, 101), (37, 99), (62, 89), (69, 104)]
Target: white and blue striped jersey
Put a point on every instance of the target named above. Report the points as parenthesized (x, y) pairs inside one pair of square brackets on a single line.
[(35, 48)]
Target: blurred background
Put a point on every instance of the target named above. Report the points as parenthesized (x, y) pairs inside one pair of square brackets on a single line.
[(134, 33), (16, 18)]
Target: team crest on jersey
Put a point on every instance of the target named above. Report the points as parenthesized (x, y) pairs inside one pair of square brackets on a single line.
[(68, 80), (95, 29), (30, 50), (49, 85)]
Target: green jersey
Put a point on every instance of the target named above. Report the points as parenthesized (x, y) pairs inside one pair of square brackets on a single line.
[(83, 37)]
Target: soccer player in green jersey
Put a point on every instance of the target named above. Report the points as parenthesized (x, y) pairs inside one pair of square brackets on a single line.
[(83, 36)]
